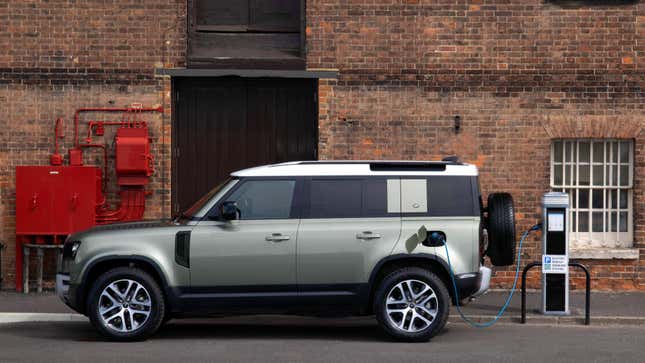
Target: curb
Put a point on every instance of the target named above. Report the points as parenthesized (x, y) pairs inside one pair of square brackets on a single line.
[(631, 321), (596, 321), (8, 318)]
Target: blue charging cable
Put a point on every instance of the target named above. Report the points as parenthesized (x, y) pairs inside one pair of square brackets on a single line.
[(510, 296)]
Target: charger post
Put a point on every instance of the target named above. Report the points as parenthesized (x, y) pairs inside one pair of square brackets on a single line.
[(555, 254)]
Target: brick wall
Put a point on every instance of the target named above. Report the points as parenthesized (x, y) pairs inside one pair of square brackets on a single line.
[(517, 73), (60, 55)]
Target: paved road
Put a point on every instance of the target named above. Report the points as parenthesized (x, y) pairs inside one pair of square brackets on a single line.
[(278, 339)]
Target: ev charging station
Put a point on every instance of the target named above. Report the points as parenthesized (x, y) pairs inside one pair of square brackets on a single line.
[(555, 263), (555, 254)]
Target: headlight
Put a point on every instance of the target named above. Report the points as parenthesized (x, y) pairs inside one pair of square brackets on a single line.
[(70, 249), (75, 247)]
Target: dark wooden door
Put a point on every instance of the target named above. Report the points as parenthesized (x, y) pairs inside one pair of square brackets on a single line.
[(225, 124)]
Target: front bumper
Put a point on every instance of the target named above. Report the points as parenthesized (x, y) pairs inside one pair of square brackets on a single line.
[(62, 287), (68, 292)]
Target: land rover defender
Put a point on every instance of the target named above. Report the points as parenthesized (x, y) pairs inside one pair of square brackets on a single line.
[(311, 237)]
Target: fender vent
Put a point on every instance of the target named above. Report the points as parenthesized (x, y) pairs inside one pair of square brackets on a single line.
[(182, 248)]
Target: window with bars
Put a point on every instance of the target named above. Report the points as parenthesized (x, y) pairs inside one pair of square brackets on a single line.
[(598, 175)]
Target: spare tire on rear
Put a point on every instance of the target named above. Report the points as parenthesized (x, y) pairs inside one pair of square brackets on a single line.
[(501, 229)]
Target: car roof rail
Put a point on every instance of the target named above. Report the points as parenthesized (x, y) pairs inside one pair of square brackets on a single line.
[(452, 159)]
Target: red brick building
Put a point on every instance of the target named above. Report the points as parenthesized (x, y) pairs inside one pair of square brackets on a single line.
[(539, 94)]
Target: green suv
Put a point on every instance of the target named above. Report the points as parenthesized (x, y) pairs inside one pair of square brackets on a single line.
[(321, 238)]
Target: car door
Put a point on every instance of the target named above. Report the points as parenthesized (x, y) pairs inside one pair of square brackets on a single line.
[(254, 254), (348, 224)]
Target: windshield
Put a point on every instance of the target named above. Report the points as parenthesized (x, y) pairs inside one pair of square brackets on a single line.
[(198, 205)]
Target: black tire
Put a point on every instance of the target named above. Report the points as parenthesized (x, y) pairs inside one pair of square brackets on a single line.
[(501, 229), (442, 307), (157, 304)]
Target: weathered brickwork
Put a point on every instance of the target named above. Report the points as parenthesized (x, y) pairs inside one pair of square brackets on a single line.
[(60, 55), (517, 73)]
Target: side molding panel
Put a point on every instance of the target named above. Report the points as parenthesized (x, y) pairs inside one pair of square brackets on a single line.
[(182, 248)]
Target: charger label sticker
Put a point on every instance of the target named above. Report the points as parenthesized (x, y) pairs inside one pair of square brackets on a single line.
[(556, 222), (555, 264)]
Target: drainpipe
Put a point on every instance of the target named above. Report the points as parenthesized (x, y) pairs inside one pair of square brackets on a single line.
[(1, 248), (165, 43)]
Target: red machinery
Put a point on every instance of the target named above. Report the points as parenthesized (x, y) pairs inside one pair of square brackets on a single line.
[(55, 201)]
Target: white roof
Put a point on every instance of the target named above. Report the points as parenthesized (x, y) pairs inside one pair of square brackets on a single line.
[(358, 168)]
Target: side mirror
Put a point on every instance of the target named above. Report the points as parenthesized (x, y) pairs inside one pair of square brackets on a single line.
[(228, 210), (435, 239)]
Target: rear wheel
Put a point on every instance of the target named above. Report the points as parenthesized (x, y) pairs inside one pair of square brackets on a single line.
[(412, 304), (126, 304)]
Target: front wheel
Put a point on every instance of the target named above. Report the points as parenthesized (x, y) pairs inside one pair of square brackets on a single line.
[(412, 304), (126, 304)]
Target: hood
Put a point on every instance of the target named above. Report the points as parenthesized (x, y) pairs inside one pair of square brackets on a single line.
[(132, 225), (124, 226)]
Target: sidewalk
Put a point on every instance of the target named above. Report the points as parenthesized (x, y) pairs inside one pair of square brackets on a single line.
[(606, 308)]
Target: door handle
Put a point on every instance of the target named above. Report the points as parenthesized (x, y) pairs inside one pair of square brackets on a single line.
[(276, 237), (368, 235)]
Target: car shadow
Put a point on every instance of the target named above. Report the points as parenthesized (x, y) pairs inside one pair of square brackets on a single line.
[(280, 330), (227, 328)]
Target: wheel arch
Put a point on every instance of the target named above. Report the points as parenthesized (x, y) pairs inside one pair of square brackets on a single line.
[(391, 263), (106, 263)]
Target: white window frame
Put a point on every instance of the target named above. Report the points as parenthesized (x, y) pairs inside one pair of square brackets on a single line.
[(612, 184)]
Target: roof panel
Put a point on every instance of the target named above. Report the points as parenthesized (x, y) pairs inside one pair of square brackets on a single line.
[(356, 168)]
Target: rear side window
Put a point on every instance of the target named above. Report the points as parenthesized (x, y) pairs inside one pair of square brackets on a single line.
[(451, 196), (347, 198), (374, 193)]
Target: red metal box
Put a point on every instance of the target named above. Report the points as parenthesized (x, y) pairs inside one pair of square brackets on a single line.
[(133, 158), (56, 200)]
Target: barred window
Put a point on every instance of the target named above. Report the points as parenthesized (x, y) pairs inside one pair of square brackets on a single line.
[(598, 175)]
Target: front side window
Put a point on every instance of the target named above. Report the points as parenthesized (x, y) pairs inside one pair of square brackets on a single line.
[(264, 199), (598, 176)]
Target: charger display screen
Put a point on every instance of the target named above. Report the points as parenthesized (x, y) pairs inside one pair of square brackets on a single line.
[(556, 222)]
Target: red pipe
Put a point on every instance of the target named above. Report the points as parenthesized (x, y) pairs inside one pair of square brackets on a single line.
[(132, 205), (92, 123), (108, 109), (131, 208), (105, 157), (57, 133)]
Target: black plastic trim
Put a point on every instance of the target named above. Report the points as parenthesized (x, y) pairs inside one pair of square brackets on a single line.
[(182, 248), (467, 284), (395, 163), (314, 299), (77, 292), (402, 256), (409, 166)]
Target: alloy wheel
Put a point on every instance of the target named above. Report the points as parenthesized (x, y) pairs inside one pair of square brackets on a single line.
[(124, 306), (411, 306)]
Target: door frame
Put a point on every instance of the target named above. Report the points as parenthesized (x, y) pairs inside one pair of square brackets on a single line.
[(174, 99)]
